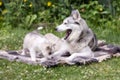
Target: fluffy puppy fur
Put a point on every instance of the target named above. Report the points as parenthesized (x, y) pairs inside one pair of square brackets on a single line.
[(35, 43)]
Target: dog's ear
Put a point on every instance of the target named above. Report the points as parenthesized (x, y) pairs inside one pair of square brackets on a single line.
[(75, 14)]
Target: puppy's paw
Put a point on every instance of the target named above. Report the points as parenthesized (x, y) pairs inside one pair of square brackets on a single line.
[(49, 63)]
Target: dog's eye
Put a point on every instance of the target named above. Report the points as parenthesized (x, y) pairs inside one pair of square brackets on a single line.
[(77, 23), (65, 23)]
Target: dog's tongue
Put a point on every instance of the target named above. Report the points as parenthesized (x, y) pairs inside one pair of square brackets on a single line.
[(68, 32)]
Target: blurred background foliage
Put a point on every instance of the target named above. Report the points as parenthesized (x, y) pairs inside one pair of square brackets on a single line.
[(17, 17), (28, 13)]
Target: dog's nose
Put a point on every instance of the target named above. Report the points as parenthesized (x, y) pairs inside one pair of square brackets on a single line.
[(50, 53), (55, 29)]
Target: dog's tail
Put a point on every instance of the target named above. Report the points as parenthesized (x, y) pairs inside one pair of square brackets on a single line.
[(39, 28)]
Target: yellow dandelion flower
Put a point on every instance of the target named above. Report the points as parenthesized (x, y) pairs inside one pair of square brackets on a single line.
[(0, 3), (30, 5), (49, 3), (4, 11), (24, 1)]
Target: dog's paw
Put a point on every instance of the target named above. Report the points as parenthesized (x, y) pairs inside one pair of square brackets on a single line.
[(84, 61), (91, 60), (79, 61), (49, 63), (94, 60)]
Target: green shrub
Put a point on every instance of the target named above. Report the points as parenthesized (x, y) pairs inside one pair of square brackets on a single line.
[(23, 15), (27, 13)]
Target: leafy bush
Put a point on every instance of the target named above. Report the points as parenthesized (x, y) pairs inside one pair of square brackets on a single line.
[(26, 13)]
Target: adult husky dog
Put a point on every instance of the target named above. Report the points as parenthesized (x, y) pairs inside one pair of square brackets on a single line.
[(79, 36), (77, 31), (79, 41)]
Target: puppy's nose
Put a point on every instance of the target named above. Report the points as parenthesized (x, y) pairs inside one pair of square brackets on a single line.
[(50, 53), (55, 29)]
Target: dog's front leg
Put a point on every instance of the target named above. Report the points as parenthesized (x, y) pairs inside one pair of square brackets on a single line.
[(101, 56), (23, 52), (33, 54), (75, 58), (57, 54), (85, 55)]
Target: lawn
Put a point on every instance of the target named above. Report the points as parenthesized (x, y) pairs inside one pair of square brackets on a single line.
[(11, 39), (107, 70)]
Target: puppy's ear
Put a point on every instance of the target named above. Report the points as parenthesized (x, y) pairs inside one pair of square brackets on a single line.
[(75, 14)]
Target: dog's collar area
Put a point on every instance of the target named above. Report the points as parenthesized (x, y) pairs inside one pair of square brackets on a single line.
[(68, 32)]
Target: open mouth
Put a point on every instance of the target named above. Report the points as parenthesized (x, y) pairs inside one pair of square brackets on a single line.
[(68, 32)]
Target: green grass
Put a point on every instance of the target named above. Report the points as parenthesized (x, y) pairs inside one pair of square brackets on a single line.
[(11, 39), (107, 70)]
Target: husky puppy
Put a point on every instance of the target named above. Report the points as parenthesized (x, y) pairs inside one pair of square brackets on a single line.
[(35, 43)]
